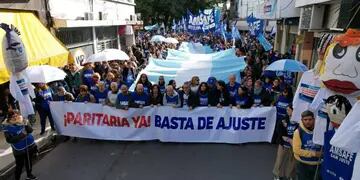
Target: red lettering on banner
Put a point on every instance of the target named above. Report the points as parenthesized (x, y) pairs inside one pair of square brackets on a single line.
[(105, 120), (125, 122), (68, 118), (77, 120), (98, 116), (112, 121), (148, 121), (136, 121), (142, 122), (87, 119)]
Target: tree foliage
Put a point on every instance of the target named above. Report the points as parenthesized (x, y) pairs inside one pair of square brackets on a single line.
[(157, 11)]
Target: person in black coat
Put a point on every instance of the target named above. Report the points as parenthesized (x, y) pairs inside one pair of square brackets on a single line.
[(221, 97), (156, 97), (261, 96), (187, 97)]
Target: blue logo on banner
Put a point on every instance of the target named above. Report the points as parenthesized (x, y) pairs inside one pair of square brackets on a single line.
[(256, 26), (338, 163), (206, 20)]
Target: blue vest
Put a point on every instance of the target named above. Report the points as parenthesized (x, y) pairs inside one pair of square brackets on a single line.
[(281, 106), (257, 100), (47, 97), (100, 96), (88, 76), (307, 144), (140, 99), (15, 130), (203, 100), (162, 89), (338, 163), (172, 100), (123, 100), (233, 89), (241, 100), (290, 129)]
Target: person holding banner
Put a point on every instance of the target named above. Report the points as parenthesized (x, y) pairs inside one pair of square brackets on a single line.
[(139, 98), (242, 99), (222, 96), (161, 84), (171, 97), (187, 97), (306, 153), (112, 94), (261, 96), (156, 97), (232, 86), (203, 95), (100, 93), (84, 95), (145, 82), (123, 98)]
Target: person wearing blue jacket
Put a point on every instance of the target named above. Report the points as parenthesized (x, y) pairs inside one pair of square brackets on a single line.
[(42, 104), (100, 93), (242, 99), (18, 134), (139, 98), (123, 98), (232, 86), (282, 103), (87, 74)]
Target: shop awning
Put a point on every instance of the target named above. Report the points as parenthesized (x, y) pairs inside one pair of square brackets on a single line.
[(40, 45)]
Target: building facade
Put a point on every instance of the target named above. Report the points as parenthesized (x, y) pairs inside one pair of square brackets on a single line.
[(90, 26), (318, 17)]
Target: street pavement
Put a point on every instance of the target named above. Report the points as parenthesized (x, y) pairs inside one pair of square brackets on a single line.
[(111, 160)]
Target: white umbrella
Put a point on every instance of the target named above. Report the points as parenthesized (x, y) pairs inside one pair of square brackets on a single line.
[(171, 40), (45, 74), (157, 38), (289, 65), (108, 55)]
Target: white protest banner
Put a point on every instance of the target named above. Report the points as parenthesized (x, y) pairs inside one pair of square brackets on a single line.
[(167, 124)]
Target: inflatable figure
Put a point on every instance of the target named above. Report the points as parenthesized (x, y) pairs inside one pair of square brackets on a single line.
[(16, 62)]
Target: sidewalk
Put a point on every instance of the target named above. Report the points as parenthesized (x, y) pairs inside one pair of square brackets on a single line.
[(7, 161)]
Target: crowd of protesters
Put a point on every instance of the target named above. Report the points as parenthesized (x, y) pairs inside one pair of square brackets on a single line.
[(108, 83)]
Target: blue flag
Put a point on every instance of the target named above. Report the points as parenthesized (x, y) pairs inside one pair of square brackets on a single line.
[(256, 26), (264, 42), (235, 32)]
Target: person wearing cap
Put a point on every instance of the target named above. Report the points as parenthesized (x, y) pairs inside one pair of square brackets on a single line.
[(212, 90), (17, 132)]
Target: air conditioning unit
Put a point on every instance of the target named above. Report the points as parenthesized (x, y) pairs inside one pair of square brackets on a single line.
[(103, 15), (89, 16), (312, 17)]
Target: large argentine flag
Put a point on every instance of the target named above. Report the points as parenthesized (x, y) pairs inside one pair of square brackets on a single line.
[(181, 66), (194, 48)]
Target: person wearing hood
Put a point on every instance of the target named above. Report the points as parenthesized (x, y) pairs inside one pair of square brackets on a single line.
[(306, 153), (261, 96), (171, 97), (18, 133)]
